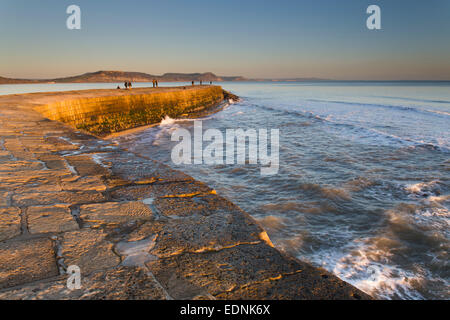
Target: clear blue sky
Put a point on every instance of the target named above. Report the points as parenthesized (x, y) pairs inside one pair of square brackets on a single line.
[(254, 38)]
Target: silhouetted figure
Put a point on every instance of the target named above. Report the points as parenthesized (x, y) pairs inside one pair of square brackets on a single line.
[(192, 82), (201, 82), (129, 85), (157, 83), (118, 87), (126, 85), (154, 83), (210, 82)]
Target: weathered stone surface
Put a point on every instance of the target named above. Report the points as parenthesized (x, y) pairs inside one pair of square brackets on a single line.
[(89, 250), (85, 166), (114, 213), (15, 147), (155, 190), (21, 165), (58, 144), (9, 223), (4, 198), (123, 283), (56, 218), (204, 205), (202, 233), (308, 284), (250, 272), (223, 270), (26, 261), (64, 197), (88, 183), (53, 161), (32, 181), (136, 169), (5, 156)]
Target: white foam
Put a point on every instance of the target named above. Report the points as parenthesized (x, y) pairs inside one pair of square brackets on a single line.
[(97, 158), (167, 121), (421, 187), (369, 268)]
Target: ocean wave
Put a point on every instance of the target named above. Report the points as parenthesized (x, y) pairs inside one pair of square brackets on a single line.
[(367, 264), (417, 100), (385, 106), (359, 183), (363, 130), (272, 223), (327, 192), (368, 268), (420, 223)]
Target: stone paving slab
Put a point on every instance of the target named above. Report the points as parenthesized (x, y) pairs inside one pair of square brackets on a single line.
[(85, 166), (306, 284), (10, 223), (89, 250), (63, 197), (203, 205), (140, 170), (113, 213), (26, 261), (76, 183), (201, 234), (4, 198), (56, 218), (224, 270), (123, 283), (156, 190)]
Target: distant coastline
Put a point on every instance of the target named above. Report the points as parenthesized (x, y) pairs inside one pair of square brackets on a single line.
[(121, 76)]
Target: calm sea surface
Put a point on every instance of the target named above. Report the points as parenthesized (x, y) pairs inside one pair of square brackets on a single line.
[(363, 188)]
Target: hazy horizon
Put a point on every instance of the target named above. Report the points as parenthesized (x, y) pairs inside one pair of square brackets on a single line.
[(276, 40), (248, 78)]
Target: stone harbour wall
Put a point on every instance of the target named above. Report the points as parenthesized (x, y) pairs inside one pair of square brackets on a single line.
[(136, 228), (102, 115)]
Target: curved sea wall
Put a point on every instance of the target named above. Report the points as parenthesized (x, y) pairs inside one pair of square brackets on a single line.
[(133, 227), (103, 115)]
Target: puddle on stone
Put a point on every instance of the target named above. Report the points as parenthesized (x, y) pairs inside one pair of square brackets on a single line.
[(148, 201), (135, 253), (97, 158)]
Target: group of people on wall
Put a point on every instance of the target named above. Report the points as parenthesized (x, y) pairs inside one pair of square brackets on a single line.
[(128, 85)]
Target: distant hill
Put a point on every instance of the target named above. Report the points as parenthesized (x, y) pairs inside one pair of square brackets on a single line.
[(121, 76), (12, 81)]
